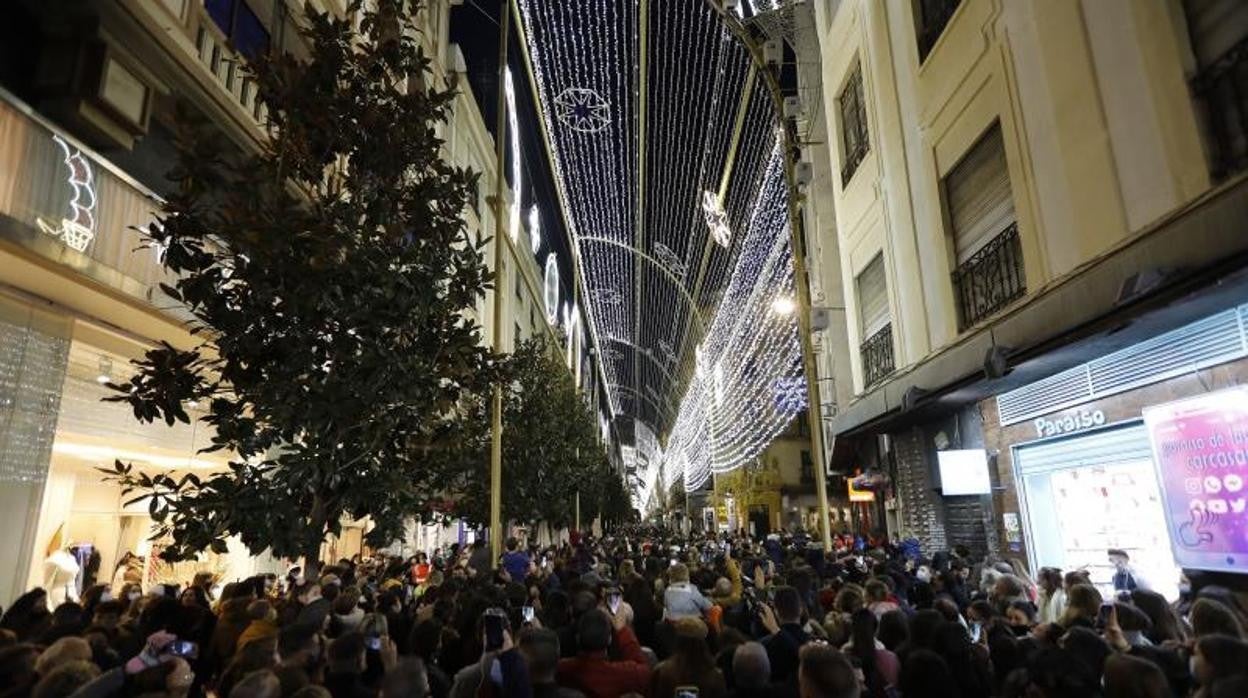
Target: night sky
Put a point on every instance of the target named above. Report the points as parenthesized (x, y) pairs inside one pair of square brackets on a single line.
[(474, 26)]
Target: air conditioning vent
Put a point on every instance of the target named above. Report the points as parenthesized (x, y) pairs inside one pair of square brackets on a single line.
[(1214, 340)]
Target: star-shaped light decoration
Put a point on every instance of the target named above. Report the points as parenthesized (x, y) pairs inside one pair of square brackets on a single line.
[(716, 219), (582, 109)]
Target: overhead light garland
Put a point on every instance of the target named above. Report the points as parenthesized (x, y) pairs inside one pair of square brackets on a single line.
[(683, 247)]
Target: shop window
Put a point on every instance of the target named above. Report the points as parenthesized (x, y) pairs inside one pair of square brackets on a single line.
[(1218, 31), (930, 18), (855, 140), (875, 322), (241, 25), (988, 274)]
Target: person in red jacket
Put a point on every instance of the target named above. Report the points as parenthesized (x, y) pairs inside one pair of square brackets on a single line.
[(591, 672)]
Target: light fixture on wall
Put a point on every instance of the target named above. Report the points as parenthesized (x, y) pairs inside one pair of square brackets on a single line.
[(105, 367)]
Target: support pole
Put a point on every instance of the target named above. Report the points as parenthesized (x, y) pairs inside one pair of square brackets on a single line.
[(800, 282), (496, 404)]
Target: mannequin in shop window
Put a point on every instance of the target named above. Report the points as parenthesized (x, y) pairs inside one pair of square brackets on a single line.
[(60, 570), (88, 558)]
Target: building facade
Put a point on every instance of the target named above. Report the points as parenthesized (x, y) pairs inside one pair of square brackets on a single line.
[(1018, 188), (87, 98)]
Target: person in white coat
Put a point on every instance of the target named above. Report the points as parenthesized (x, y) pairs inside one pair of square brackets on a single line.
[(1052, 598)]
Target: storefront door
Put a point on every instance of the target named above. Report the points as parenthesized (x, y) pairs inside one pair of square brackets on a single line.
[(1086, 494)]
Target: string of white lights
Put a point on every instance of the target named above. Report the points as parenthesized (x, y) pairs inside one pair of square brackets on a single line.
[(661, 286)]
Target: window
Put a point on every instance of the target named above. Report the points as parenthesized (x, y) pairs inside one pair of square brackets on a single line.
[(875, 322), (240, 25), (930, 18), (855, 141), (808, 468), (987, 252), (1220, 47)]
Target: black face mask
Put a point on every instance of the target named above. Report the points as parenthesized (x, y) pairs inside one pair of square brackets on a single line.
[(1020, 630)]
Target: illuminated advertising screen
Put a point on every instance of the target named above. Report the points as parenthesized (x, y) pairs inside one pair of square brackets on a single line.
[(964, 472), (1200, 451)]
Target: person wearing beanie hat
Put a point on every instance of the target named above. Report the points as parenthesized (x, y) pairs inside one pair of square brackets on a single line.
[(691, 663)]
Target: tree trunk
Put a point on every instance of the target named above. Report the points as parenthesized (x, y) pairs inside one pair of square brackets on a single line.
[(312, 548)]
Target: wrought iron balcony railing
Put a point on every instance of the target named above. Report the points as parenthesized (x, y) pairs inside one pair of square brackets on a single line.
[(991, 279), (1222, 91), (854, 158), (877, 356), (933, 16)]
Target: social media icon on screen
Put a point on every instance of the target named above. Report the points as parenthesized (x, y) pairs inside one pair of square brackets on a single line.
[(1193, 485), (1233, 482), (1237, 505), (1213, 484), (1217, 506)]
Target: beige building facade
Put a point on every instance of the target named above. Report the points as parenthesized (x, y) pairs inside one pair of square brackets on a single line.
[(1017, 186), (84, 144)]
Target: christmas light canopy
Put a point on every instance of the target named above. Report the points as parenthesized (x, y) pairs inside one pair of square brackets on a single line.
[(670, 170)]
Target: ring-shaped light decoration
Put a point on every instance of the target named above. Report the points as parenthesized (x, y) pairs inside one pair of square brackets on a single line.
[(535, 229), (551, 288)]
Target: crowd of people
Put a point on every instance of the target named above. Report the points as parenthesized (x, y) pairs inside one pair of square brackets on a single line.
[(641, 613)]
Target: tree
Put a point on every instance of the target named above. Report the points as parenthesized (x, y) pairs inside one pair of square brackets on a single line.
[(331, 278), (550, 447)]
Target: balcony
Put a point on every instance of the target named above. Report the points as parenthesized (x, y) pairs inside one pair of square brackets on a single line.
[(1222, 91), (213, 52), (991, 279), (877, 357), (932, 17)]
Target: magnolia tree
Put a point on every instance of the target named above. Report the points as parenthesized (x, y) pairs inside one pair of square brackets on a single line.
[(330, 277), (550, 453)]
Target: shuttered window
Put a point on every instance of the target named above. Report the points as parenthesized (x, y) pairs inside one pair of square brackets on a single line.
[(977, 192), (873, 297)]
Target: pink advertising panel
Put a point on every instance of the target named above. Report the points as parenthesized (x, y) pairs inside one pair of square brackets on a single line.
[(1200, 451)]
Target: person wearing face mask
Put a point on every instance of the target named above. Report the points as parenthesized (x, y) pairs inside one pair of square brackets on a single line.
[(1021, 617)]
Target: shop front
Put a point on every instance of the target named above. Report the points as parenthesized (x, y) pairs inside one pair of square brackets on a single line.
[(79, 299), (1075, 458)]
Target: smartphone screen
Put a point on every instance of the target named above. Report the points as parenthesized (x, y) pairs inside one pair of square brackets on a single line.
[(373, 642), (686, 692), (1102, 617), (493, 632), (527, 614), (975, 629), (613, 602), (184, 648)]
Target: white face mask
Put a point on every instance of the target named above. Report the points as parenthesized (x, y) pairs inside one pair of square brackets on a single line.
[(923, 575), (106, 597), (133, 596)]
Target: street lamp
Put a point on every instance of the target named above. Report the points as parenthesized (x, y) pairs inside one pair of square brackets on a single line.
[(783, 305)]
